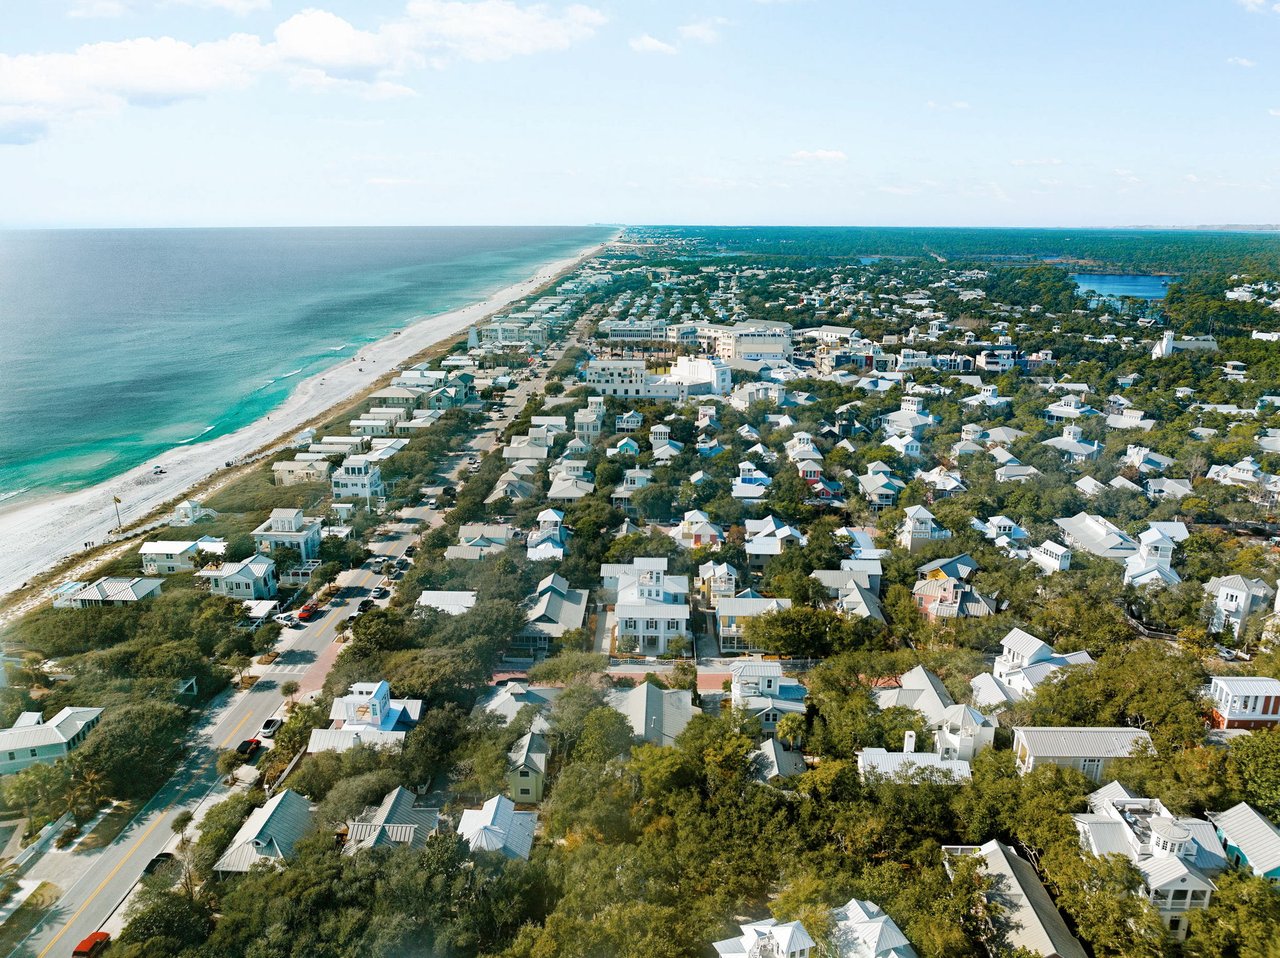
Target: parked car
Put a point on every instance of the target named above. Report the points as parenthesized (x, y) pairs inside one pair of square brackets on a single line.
[(159, 862), (411, 550), (269, 728), (432, 502), (365, 605), (307, 612), (381, 592), (92, 946), (248, 748)]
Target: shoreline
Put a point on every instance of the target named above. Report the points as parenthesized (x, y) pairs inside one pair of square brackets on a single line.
[(45, 532)]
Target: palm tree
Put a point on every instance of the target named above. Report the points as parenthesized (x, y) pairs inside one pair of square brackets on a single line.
[(791, 729), (89, 787)]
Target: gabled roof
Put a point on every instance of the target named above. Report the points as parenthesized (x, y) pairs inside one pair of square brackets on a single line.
[(1250, 831), (268, 834), (1034, 922), (656, 715), (398, 820)]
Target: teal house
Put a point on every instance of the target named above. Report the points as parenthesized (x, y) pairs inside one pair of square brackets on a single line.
[(1251, 840)]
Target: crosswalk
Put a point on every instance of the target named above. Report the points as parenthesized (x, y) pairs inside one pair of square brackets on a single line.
[(295, 669)]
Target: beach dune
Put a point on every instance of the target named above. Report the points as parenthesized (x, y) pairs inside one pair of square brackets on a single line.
[(38, 534)]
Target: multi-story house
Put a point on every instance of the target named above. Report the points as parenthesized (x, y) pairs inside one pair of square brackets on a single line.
[(289, 528), (1175, 855), (919, 529), (1241, 701), (652, 608), (1235, 598)]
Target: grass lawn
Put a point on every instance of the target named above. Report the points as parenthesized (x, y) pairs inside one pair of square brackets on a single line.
[(112, 824), (27, 916)]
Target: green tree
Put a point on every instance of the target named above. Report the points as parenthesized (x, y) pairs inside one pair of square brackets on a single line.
[(1254, 766), (606, 734)]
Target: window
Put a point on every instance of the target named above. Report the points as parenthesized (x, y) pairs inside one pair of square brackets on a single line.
[(524, 791), (524, 773), (651, 625), (12, 756), (1175, 924), (1179, 896), (34, 753)]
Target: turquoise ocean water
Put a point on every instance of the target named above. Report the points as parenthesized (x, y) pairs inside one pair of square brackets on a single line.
[(116, 345)]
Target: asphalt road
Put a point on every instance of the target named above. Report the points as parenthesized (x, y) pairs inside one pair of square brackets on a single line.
[(100, 879), (96, 882)]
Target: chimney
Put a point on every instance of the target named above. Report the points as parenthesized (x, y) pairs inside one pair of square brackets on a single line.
[(909, 743)]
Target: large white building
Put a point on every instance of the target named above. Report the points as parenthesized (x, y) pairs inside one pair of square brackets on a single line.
[(652, 608)]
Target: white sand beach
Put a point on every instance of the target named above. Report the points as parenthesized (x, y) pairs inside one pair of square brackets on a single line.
[(39, 534)]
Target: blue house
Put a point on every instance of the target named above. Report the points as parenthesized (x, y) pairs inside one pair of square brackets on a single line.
[(1251, 840)]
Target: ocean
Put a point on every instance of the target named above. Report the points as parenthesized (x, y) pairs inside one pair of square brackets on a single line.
[(116, 345)]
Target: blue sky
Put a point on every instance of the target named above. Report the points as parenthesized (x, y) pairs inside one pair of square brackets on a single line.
[(902, 112)]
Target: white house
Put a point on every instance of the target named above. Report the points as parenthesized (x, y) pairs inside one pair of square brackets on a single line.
[(733, 614), (358, 478), (652, 608), (1024, 662), (1175, 855), (108, 590), (167, 556), (1244, 701), (366, 715), (763, 691), (919, 529), (959, 731), (1235, 598), (291, 529), (251, 578), (1087, 750)]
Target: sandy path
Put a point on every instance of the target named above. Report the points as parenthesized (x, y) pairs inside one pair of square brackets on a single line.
[(37, 535)]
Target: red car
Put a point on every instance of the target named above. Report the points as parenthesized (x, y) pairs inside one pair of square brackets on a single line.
[(306, 612), (92, 946)]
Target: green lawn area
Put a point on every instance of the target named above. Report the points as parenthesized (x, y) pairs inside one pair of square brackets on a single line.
[(28, 915), (112, 824)]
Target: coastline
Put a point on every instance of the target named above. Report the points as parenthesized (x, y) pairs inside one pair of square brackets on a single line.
[(44, 532)]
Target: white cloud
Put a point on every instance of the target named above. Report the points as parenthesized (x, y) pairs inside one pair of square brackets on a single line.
[(1126, 176), (1274, 112), (327, 42), (819, 156), (646, 43), (240, 8), (1241, 62), (703, 31), (490, 30), (393, 181), (314, 49), (953, 105), (97, 9), (1037, 161), (898, 190)]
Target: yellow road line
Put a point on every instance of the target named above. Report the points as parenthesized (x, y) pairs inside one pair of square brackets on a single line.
[(111, 874), (230, 738)]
